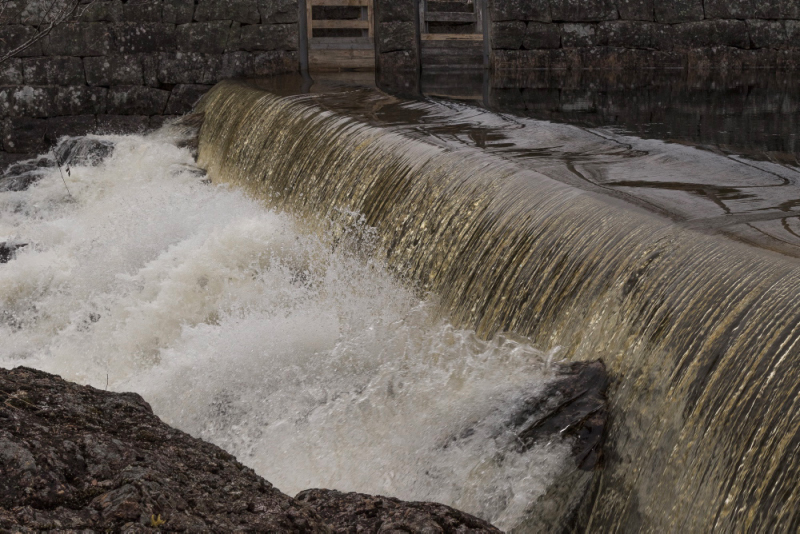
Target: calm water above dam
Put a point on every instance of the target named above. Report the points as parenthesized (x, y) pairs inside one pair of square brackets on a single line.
[(368, 276)]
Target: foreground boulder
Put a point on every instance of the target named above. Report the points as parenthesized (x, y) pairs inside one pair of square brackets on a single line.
[(74, 458)]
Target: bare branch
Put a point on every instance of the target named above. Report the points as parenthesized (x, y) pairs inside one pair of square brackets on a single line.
[(56, 12)]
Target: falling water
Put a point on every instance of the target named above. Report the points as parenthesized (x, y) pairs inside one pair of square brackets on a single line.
[(297, 351), (700, 333)]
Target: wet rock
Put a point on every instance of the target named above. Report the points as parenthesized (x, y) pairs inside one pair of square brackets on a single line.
[(8, 250), (573, 406), (77, 457), (74, 457), (83, 151), (21, 175), (356, 512)]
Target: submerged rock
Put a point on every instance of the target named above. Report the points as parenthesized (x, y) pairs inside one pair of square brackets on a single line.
[(8, 250), (73, 457), (84, 151)]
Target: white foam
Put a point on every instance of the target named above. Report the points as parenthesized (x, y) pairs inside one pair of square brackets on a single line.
[(312, 365)]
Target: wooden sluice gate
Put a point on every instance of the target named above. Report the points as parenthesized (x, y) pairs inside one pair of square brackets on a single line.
[(340, 35), (452, 34)]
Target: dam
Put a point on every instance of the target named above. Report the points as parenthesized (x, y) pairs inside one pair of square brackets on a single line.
[(369, 282)]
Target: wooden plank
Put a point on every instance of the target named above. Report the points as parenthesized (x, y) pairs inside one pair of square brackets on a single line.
[(370, 20), (337, 46), (450, 17), (341, 59), (468, 46), (309, 18), (340, 24), (342, 41), (452, 37), (347, 3)]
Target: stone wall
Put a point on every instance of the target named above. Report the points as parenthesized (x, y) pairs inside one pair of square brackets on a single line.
[(397, 47), (129, 64), (727, 34)]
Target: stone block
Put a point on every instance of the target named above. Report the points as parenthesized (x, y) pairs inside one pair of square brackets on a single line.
[(142, 11), (27, 101), (279, 62), (636, 9), (789, 9), (583, 10), (673, 11), (80, 100), (204, 37), (237, 65), (114, 69), (508, 35), (16, 35), (191, 68), (533, 59), (234, 38), (393, 36), (53, 71), (244, 11), (759, 59), (788, 59), (539, 35), (122, 124), (146, 37), (768, 9), (263, 37), (103, 11), (396, 11), (12, 13), (178, 11), (792, 33), (11, 72), (524, 10), (150, 69), (278, 11), (78, 39), (25, 135), (136, 100), (767, 33), (78, 125), (401, 61), (707, 33), (575, 35), (628, 34), (184, 97)]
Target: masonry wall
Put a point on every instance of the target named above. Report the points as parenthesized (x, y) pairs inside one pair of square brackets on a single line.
[(703, 34), (128, 65)]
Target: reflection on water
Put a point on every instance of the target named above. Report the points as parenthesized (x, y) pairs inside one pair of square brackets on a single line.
[(717, 153)]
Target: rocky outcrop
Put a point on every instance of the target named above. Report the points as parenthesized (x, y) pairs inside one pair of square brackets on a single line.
[(73, 458)]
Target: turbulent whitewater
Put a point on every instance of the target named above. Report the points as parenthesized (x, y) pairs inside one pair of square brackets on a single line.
[(700, 333), (295, 350)]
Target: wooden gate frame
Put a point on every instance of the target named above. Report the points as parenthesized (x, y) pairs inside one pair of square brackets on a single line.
[(338, 53)]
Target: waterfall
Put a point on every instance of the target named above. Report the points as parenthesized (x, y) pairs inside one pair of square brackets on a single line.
[(700, 333)]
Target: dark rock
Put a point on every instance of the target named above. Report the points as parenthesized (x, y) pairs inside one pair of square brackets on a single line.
[(190, 68), (269, 37), (707, 33), (636, 9), (73, 126), (278, 11), (24, 135), (397, 11), (14, 36), (8, 249), (178, 11), (244, 11), (83, 151), (396, 36), (574, 405), (528, 10), (142, 11), (628, 34), (767, 33), (268, 63), (79, 458), (89, 459), (148, 37), (731, 9), (11, 72), (78, 39), (113, 69), (204, 37), (80, 100), (19, 177), (184, 97), (122, 124), (237, 64), (573, 35), (355, 512), (539, 35), (583, 10), (679, 11), (103, 11), (53, 71), (508, 35)]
